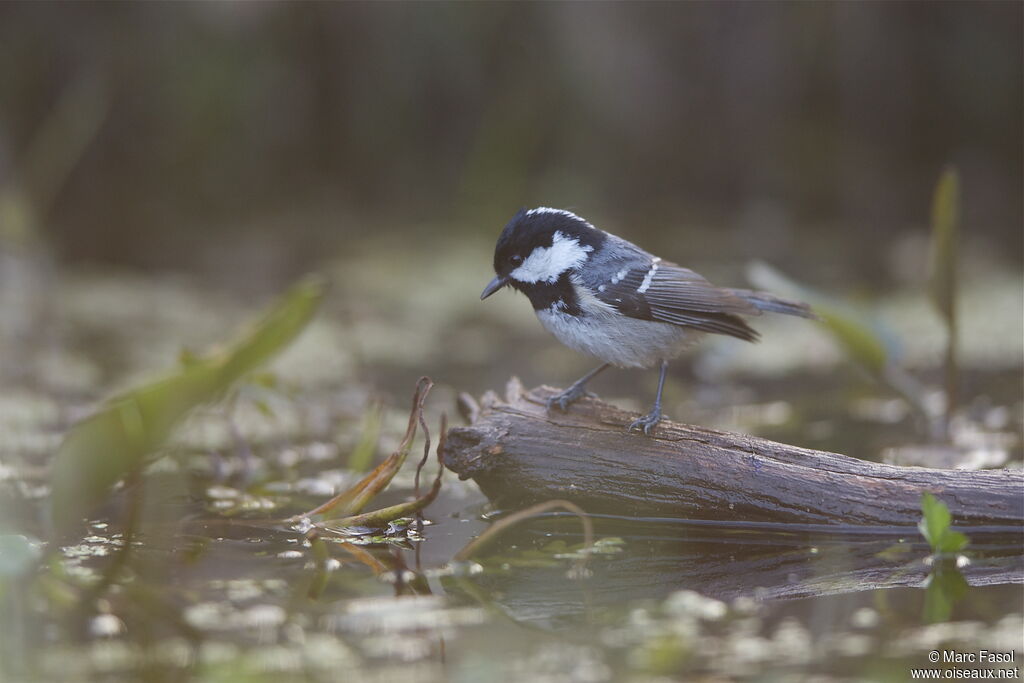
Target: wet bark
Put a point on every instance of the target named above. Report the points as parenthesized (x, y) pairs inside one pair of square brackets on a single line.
[(520, 453)]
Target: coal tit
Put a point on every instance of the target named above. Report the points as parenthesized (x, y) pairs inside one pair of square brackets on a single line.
[(603, 296)]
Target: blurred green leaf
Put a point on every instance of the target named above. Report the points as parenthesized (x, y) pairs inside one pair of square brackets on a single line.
[(18, 220), (264, 408), (945, 233), (362, 454), (935, 526), (863, 341), (62, 138), (946, 586), (188, 357), (858, 338), (102, 448), (321, 557), (942, 283), (264, 380), (895, 552)]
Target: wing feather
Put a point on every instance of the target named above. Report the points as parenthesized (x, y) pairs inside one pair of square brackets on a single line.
[(672, 294)]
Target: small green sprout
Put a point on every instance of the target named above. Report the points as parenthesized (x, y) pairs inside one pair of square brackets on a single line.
[(935, 527)]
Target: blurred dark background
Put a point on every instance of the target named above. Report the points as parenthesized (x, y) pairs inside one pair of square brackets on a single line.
[(808, 134), (166, 168)]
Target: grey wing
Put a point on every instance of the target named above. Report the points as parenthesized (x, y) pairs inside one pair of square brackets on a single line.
[(644, 287)]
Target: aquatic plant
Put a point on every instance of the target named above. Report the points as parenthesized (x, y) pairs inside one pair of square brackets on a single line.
[(935, 526), (945, 584), (112, 443), (875, 349)]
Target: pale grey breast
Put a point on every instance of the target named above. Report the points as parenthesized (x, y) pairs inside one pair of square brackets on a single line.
[(614, 338)]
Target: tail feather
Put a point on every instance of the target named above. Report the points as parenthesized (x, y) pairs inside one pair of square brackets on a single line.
[(764, 301)]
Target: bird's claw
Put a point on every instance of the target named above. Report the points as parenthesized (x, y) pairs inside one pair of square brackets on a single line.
[(565, 399), (647, 422)]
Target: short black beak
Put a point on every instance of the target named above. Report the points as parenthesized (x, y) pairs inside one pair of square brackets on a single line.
[(493, 286)]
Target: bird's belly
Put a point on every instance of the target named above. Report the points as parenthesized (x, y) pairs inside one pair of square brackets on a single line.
[(619, 340)]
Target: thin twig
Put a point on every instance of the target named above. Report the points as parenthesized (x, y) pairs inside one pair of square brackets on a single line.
[(426, 453)]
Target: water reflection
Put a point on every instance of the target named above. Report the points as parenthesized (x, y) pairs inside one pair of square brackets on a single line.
[(532, 582)]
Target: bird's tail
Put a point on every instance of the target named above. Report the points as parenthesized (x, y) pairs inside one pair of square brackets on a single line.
[(764, 301)]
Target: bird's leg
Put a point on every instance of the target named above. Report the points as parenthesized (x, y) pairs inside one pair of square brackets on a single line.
[(574, 392), (652, 418)]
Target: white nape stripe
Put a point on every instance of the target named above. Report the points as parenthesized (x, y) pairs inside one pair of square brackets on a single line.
[(564, 213), (557, 212), (546, 264), (645, 285)]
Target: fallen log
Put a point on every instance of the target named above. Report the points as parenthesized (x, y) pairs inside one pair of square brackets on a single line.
[(520, 453)]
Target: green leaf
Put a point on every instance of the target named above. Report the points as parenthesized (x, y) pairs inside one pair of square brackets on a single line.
[(187, 357), (953, 542), (264, 408), (264, 380), (946, 586), (858, 338), (935, 519), (935, 526), (945, 229), (362, 455), (101, 449)]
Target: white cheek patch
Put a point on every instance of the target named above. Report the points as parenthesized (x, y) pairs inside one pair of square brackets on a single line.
[(546, 264)]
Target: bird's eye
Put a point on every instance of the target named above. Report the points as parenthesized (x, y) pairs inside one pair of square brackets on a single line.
[(516, 259)]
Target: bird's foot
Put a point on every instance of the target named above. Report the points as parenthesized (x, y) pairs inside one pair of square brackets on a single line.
[(647, 422), (563, 400)]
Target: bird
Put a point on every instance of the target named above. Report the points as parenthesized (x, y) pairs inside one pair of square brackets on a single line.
[(605, 297)]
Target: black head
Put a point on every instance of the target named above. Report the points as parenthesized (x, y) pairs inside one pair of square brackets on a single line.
[(539, 246)]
